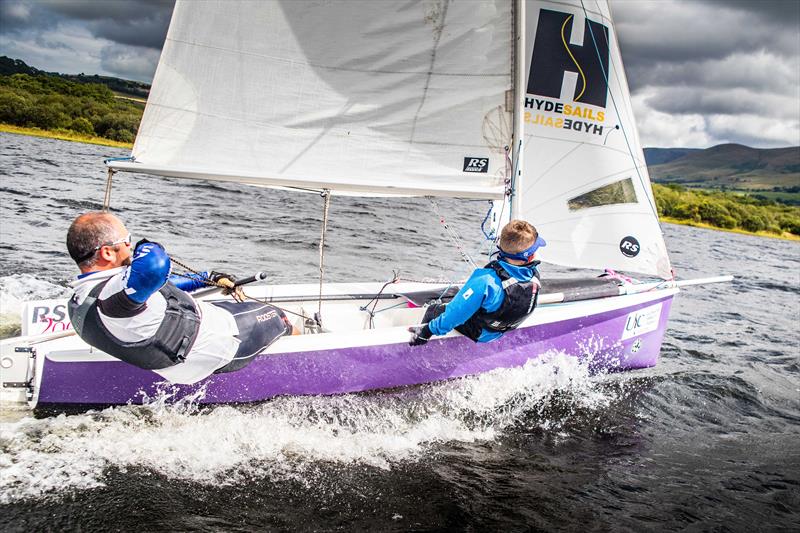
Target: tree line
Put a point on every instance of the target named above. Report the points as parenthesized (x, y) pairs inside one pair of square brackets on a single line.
[(52, 103), (9, 66), (726, 210)]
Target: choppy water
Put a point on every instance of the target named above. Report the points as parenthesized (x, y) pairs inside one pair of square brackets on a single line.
[(707, 440)]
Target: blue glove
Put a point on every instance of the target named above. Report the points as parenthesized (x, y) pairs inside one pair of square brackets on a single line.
[(148, 271)]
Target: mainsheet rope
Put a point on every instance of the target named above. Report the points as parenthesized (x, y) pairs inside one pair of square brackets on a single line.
[(202, 279)]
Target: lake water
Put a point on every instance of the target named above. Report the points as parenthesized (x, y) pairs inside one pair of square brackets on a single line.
[(707, 440)]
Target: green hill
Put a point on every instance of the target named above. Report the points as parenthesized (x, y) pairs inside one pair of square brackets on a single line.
[(129, 88), (658, 156), (30, 98), (732, 166)]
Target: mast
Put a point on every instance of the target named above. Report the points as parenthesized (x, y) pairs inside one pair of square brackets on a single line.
[(519, 94)]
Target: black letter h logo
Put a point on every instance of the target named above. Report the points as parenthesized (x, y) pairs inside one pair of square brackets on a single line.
[(553, 56)]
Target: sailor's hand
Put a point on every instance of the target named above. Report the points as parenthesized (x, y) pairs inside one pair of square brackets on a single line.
[(223, 279), (227, 283), (419, 335), (237, 294)]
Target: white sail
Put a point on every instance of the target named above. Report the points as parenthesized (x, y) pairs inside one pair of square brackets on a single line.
[(357, 96), (584, 182)]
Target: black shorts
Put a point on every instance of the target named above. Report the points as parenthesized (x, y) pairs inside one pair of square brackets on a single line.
[(259, 326)]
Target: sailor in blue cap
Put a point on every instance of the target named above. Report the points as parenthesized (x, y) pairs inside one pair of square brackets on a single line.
[(495, 299)]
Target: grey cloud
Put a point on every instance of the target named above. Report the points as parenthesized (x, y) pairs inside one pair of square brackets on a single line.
[(46, 27), (782, 12), (116, 11), (130, 62), (762, 133), (735, 101), (147, 32), (130, 22), (24, 16), (45, 42), (135, 23), (694, 32), (721, 60), (757, 71)]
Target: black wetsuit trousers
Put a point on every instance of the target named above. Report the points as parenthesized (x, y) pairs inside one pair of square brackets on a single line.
[(259, 326)]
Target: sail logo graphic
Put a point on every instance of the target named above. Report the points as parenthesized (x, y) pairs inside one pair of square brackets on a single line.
[(570, 65), (476, 164), (554, 56), (629, 246), (46, 316)]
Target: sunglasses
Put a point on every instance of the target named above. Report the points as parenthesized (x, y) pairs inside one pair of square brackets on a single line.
[(126, 241)]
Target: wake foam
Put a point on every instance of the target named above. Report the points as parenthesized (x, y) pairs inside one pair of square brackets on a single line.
[(15, 291), (285, 438)]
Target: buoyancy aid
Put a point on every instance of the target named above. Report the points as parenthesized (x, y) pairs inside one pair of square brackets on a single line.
[(519, 301), (170, 344)]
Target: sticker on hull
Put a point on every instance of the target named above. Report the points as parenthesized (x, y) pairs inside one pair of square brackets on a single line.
[(642, 321)]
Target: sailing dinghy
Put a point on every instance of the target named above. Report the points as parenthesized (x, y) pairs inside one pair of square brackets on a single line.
[(524, 103)]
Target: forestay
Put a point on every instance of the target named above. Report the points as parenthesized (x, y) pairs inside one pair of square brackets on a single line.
[(355, 96), (584, 183)]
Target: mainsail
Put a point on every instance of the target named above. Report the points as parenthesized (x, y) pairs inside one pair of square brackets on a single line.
[(362, 97), (584, 181)]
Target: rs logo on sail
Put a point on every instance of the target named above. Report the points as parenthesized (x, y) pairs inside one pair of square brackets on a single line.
[(476, 164), (629, 246)]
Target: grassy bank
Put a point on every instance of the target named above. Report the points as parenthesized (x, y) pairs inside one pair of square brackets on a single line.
[(53, 104), (785, 235), (64, 135)]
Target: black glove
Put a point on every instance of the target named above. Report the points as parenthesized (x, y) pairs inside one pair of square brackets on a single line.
[(226, 282), (419, 335), (216, 276)]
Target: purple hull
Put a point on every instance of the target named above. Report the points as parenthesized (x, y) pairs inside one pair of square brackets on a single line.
[(598, 337)]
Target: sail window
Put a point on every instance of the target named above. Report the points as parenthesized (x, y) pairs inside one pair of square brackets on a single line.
[(619, 192)]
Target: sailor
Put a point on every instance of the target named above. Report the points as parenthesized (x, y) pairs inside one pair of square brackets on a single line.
[(496, 298), (125, 304)]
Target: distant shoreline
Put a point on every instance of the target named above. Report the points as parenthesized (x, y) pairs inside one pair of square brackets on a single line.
[(63, 135), (76, 137), (785, 237)]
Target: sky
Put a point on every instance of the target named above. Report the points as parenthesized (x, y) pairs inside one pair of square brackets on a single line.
[(701, 72)]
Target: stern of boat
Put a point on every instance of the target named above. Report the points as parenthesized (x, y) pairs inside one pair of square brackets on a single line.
[(18, 371)]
